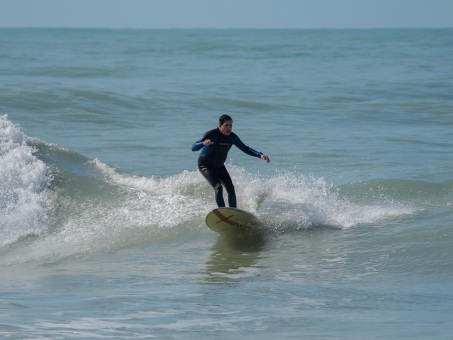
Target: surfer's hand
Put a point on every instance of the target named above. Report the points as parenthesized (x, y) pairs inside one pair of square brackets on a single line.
[(265, 157), (207, 142)]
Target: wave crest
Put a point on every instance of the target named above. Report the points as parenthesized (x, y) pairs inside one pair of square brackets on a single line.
[(24, 180)]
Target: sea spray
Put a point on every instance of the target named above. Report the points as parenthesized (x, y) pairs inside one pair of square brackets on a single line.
[(298, 202)]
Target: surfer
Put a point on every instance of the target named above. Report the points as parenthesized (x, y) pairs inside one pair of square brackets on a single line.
[(214, 146)]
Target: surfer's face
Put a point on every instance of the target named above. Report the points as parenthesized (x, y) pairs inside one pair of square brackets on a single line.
[(226, 127)]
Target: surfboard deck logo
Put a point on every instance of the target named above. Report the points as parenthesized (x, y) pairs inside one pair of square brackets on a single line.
[(229, 219)]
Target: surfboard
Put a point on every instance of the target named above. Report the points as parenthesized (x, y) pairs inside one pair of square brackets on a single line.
[(224, 220)]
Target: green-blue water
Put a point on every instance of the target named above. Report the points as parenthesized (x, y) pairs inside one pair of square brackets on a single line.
[(102, 210)]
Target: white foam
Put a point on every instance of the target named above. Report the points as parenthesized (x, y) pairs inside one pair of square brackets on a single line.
[(23, 182), (287, 201), (298, 202), (169, 201)]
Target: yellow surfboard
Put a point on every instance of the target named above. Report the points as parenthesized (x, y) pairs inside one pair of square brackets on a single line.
[(230, 219)]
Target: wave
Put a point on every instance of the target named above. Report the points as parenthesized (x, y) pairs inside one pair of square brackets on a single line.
[(56, 203)]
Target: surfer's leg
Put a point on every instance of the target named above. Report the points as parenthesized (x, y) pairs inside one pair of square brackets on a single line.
[(213, 179), (218, 191), (228, 184), (232, 200)]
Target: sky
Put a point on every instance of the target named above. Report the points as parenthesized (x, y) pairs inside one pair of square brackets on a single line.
[(227, 13)]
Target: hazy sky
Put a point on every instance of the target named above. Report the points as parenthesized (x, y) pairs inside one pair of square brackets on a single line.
[(227, 13)]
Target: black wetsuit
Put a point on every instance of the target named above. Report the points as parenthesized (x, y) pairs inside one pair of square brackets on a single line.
[(211, 162)]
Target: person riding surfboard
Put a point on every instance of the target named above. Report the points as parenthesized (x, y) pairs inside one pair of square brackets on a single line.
[(214, 146)]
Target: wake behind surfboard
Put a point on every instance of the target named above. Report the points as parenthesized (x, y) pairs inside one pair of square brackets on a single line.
[(226, 219)]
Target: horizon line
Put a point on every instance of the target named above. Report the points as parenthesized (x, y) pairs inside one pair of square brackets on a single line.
[(226, 28)]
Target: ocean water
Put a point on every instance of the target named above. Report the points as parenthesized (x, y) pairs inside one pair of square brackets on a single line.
[(102, 209)]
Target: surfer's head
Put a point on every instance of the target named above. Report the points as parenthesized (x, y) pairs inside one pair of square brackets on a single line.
[(225, 124), (224, 118)]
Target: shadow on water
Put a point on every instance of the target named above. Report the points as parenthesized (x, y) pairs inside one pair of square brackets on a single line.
[(233, 255)]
